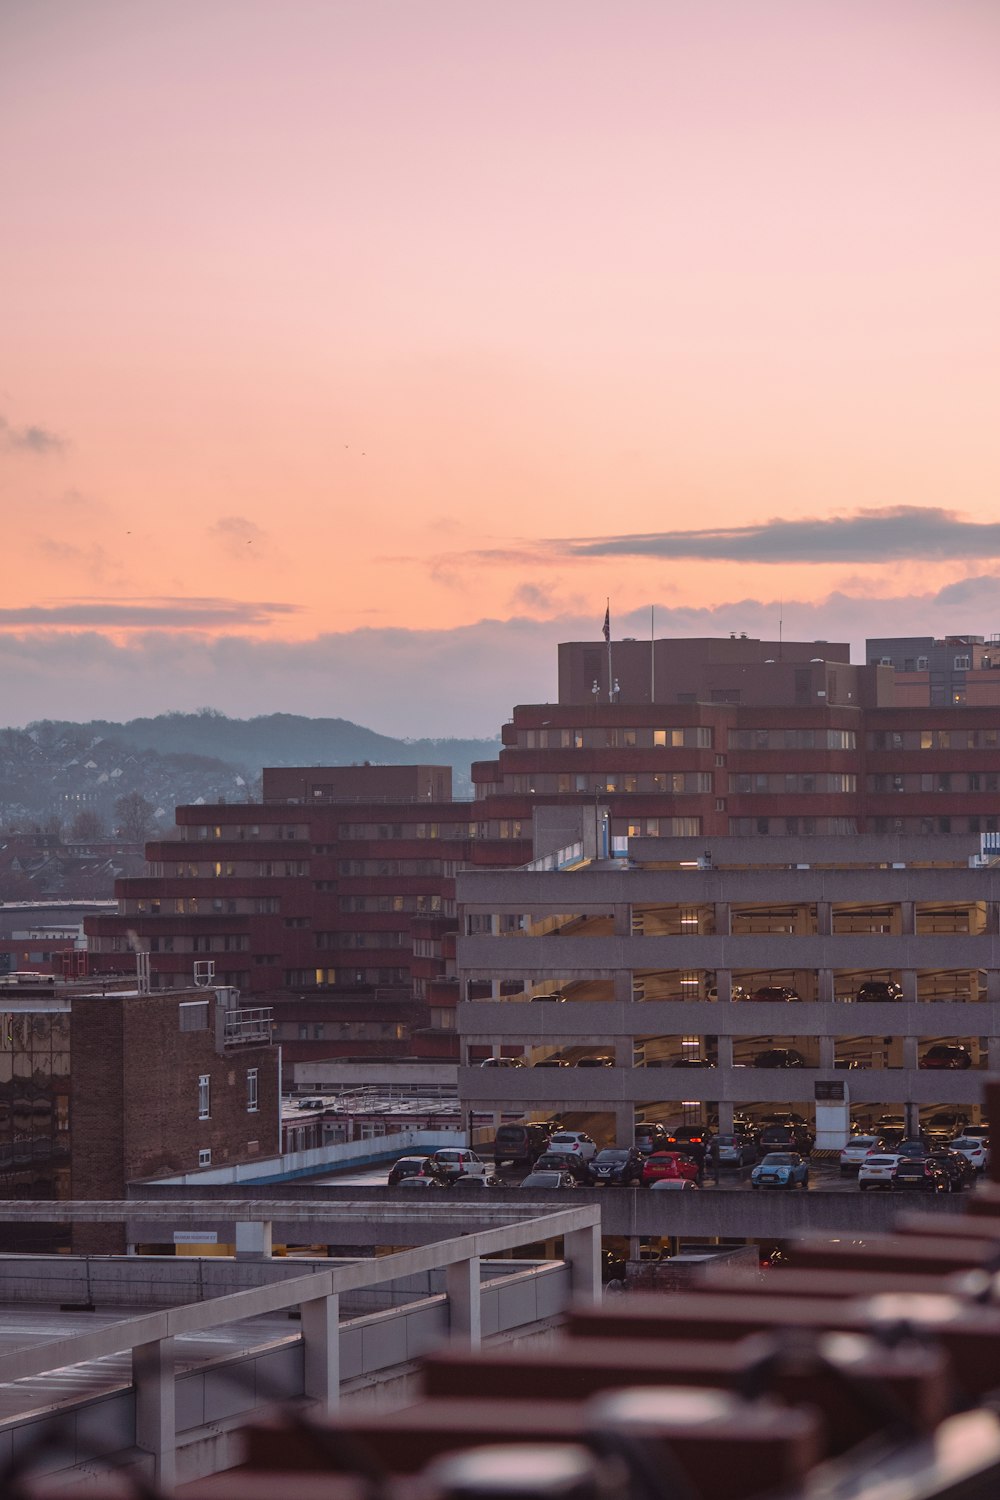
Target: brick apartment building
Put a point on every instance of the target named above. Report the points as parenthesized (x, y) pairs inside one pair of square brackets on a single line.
[(338, 887), (98, 1088)]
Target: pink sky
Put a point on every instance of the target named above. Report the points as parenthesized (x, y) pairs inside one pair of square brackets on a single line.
[(331, 327)]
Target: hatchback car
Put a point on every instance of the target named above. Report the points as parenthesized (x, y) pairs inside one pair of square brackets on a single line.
[(772, 992), (618, 1166), (576, 1141), (780, 1169), (779, 1057), (562, 1161), (960, 1171), (454, 1161), (674, 1185), (944, 1125), (919, 1174), (877, 1170), (857, 1149), (879, 990), (406, 1166), (603, 1061), (553, 1062), (503, 1062), (668, 1164), (650, 1138), (735, 1150), (549, 1180), (944, 1056), (785, 1138), (975, 1151), (691, 1139)]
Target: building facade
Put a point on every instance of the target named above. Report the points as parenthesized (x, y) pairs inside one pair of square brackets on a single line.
[(674, 976)]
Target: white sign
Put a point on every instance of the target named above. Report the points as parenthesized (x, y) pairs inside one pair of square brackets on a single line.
[(195, 1237)]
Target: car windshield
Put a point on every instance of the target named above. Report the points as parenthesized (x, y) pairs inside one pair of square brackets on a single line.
[(862, 1143), (611, 1156), (779, 1159)]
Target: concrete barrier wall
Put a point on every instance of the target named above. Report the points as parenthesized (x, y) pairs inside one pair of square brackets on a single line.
[(322, 1158)]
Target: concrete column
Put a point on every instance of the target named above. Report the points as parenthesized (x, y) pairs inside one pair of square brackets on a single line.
[(907, 918), (910, 1051), (723, 919), (992, 916), (622, 914), (624, 1125), (725, 1046), (826, 1051), (993, 986), (824, 986), (824, 918), (321, 1351), (155, 1424), (464, 1301), (908, 983), (623, 986), (725, 1115), (724, 984), (582, 1250), (253, 1241)]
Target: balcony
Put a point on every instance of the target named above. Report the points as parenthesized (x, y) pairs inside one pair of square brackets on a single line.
[(247, 1027)]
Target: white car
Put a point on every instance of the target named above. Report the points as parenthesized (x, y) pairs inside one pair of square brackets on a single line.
[(503, 1062), (877, 1170), (455, 1161), (575, 1141), (857, 1148), (973, 1149)]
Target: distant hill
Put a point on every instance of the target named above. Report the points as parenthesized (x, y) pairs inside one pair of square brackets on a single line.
[(56, 767)]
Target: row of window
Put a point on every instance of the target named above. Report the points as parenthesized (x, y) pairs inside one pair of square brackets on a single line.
[(227, 869), (672, 783), (794, 781), (690, 737), (432, 903), (241, 831), (394, 939), (446, 868), (792, 739), (935, 781), (743, 827), (325, 978), (934, 739)]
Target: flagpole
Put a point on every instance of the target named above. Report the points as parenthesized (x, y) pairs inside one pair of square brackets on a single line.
[(607, 617), (652, 649)]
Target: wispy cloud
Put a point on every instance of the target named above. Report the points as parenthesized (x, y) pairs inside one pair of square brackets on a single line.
[(403, 682), (145, 614), (30, 439), (891, 534), (239, 537)]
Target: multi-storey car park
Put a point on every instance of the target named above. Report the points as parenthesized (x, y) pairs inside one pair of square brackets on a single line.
[(651, 958)]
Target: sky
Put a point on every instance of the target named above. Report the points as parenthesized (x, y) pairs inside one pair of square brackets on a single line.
[(355, 354)]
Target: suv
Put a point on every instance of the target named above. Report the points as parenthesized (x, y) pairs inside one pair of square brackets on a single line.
[(691, 1139), (785, 1138), (779, 1057), (920, 1174), (519, 1143), (771, 992), (944, 1056)]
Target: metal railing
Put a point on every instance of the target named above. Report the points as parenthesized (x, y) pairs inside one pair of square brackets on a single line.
[(252, 1025)]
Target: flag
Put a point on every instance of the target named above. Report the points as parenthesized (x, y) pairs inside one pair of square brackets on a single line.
[(607, 624)]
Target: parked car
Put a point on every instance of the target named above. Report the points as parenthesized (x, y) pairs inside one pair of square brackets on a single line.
[(691, 1139), (603, 1061), (772, 992), (779, 1057), (406, 1166), (781, 1169), (857, 1149), (422, 1181), (549, 1180), (879, 990), (919, 1174), (877, 1170), (785, 1138), (910, 1148), (556, 997), (667, 1164), (961, 1172), (518, 1142), (944, 1125), (944, 1056), (891, 1128), (618, 1166), (503, 1062), (735, 1150), (576, 1141), (649, 1138), (553, 1062), (975, 1151), (562, 1161), (737, 991), (692, 1062), (454, 1161), (980, 1132), (674, 1185)]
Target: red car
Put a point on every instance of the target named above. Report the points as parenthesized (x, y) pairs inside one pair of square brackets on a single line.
[(668, 1165)]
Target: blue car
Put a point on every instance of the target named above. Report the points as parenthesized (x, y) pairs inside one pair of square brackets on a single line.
[(781, 1169)]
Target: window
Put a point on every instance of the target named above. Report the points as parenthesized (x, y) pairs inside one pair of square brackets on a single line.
[(204, 1096), (252, 1104), (205, 1157), (962, 663)]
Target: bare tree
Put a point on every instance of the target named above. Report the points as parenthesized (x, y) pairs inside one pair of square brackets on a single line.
[(134, 814), (86, 826)]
